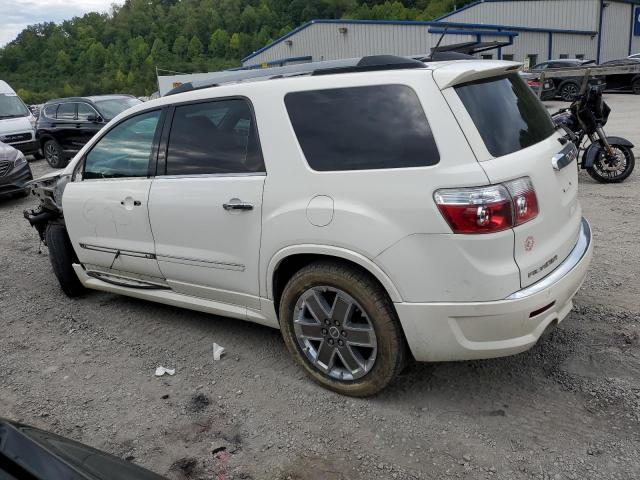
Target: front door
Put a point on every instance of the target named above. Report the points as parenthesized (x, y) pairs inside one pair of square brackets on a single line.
[(64, 127), (206, 201), (106, 207), (87, 125)]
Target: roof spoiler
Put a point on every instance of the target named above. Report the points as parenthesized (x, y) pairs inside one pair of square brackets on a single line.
[(463, 72)]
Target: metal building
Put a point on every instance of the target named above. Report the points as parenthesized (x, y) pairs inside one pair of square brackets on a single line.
[(534, 30)]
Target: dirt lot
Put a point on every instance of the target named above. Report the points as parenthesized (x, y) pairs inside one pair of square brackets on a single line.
[(567, 409)]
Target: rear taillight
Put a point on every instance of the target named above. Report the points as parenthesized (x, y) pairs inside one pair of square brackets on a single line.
[(533, 83), (525, 202), (488, 209)]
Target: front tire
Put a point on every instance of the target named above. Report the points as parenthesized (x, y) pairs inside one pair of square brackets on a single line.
[(605, 171), (635, 86), (54, 154), (569, 91), (340, 326), (62, 257)]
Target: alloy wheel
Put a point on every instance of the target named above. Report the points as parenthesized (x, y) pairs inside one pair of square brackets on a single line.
[(52, 154), (335, 333), (569, 92)]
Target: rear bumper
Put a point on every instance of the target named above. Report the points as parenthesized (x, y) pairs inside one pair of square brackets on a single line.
[(467, 331), (16, 181)]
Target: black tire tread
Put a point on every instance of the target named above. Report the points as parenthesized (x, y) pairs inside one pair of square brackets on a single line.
[(62, 256), (374, 299)]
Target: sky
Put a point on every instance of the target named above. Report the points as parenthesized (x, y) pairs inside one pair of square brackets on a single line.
[(15, 15)]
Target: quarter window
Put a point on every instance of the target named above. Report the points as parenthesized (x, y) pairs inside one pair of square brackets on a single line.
[(125, 150), (67, 111), (362, 128), (213, 137)]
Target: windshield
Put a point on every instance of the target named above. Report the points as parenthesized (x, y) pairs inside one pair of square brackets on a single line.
[(506, 112), (112, 107), (12, 107)]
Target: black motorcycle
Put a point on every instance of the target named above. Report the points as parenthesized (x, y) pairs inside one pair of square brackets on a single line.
[(606, 159)]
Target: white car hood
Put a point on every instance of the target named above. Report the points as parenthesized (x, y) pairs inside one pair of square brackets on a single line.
[(14, 125)]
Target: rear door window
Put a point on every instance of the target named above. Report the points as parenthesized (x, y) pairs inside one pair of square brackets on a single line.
[(215, 137), (506, 112), (362, 128)]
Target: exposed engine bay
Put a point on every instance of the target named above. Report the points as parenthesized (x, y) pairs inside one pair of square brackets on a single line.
[(48, 190)]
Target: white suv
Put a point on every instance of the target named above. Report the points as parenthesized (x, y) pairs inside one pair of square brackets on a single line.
[(373, 213)]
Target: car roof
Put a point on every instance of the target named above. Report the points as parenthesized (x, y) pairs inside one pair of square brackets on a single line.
[(92, 98)]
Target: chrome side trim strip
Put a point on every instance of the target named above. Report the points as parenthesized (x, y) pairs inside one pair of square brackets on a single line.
[(202, 263), (582, 245), (128, 253)]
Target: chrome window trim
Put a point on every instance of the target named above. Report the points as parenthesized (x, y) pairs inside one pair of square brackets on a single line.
[(211, 175), (576, 255)]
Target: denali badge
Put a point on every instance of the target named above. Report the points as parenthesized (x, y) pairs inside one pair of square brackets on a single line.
[(546, 264), (565, 157)]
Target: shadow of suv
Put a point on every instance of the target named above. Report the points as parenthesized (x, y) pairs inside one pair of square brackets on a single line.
[(66, 124)]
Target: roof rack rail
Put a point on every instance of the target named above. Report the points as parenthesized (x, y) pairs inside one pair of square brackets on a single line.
[(349, 65)]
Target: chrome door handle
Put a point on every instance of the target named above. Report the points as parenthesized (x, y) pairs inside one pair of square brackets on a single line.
[(237, 206)]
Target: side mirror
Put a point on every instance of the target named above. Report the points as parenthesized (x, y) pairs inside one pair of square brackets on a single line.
[(94, 118)]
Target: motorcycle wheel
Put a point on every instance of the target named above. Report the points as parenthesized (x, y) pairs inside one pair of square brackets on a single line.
[(613, 171)]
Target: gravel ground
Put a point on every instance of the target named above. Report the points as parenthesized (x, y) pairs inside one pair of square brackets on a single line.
[(567, 409)]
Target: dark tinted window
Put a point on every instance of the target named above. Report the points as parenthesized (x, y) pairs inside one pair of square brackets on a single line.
[(213, 137), (113, 106), (506, 112), (362, 128), (85, 111), (125, 150), (67, 111)]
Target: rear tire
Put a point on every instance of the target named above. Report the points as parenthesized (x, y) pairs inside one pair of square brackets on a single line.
[(635, 86), (62, 257), (598, 171), (569, 91), (54, 154), (354, 368)]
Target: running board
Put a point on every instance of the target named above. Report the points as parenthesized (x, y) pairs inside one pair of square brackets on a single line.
[(124, 281), (161, 294)]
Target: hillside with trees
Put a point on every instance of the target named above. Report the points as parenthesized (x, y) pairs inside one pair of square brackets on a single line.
[(119, 51)]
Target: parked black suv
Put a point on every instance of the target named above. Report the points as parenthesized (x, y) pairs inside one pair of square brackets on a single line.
[(66, 124)]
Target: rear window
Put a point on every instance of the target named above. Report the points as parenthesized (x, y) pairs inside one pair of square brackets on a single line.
[(506, 112), (362, 128)]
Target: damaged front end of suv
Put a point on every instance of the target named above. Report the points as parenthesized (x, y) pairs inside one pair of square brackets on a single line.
[(48, 189)]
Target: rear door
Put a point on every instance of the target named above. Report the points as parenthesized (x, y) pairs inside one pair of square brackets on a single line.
[(513, 137), (205, 205), (106, 208)]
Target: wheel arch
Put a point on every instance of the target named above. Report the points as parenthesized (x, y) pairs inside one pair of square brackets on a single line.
[(289, 260)]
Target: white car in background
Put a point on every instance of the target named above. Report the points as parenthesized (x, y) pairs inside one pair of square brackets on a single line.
[(375, 212), (17, 123)]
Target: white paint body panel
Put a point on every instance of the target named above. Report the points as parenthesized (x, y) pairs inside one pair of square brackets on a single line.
[(199, 242), (385, 221), (95, 217)]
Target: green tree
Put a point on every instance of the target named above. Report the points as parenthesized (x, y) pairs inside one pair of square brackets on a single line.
[(180, 46), (219, 43), (195, 48)]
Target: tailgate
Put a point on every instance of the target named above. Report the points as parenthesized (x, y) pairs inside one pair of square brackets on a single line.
[(513, 136), (544, 242)]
